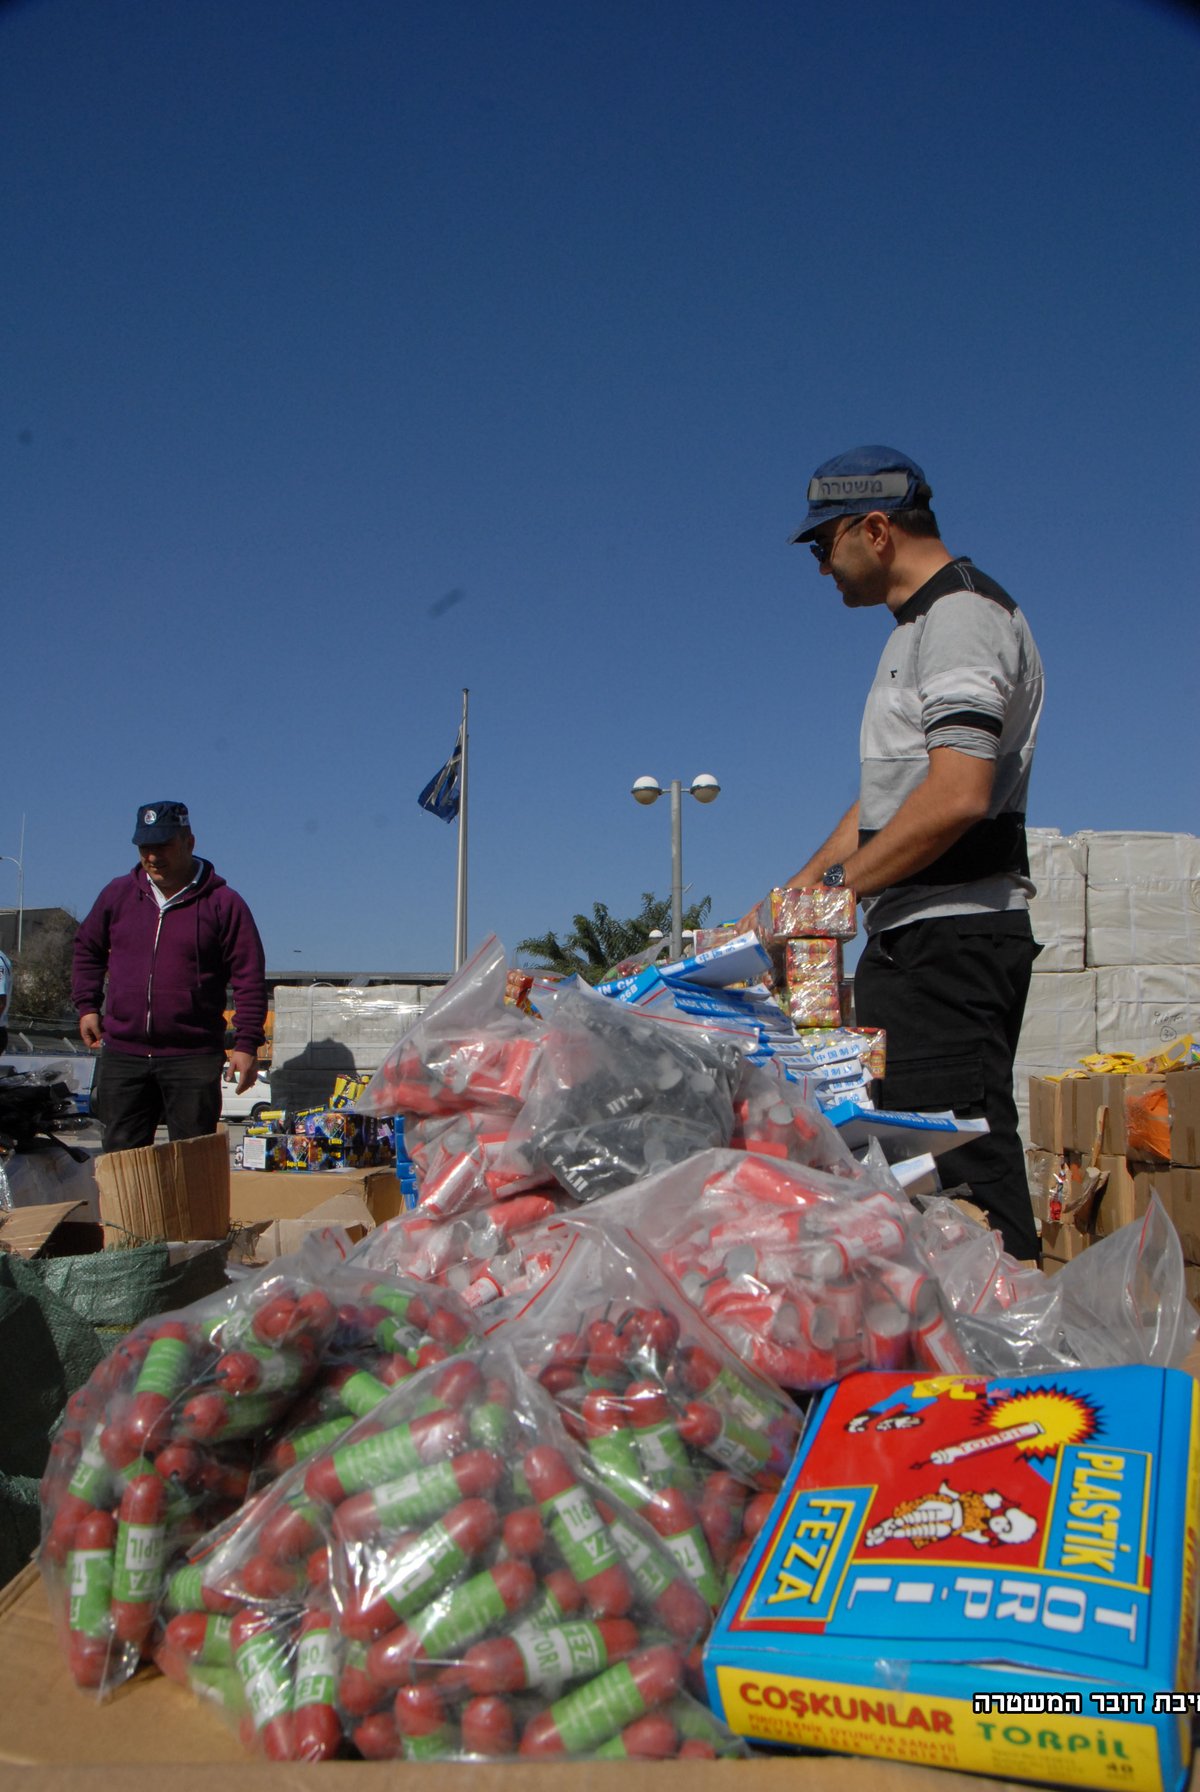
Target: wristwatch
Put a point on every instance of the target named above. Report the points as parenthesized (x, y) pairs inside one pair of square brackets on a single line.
[(834, 877)]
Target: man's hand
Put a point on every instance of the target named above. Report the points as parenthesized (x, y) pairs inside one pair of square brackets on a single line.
[(90, 1031), (245, 1067)]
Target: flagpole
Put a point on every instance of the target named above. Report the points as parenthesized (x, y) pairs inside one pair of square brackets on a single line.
[(460, 905)]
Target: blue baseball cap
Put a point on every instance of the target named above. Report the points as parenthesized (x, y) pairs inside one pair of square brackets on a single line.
[(862, 480), (157, 822)]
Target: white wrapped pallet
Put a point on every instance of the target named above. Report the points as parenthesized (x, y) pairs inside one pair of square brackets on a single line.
[(377, 1014), (1060, 1021), (1058, 866), (323, 1030), (1058, 1030), (1140, 1008), (1143, 899)]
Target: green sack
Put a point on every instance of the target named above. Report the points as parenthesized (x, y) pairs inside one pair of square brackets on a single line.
[(46, 1352), (20, 1523), (116, 1290)]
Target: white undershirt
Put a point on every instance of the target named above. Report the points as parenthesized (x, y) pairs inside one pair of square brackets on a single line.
[(166, 901)]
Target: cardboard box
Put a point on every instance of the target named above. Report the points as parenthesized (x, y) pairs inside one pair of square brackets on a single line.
[(1170, 1110), (53, 1229), (1062, 1242), (280, 1237), (1046, 1113), (253, 1196), (1162, 1117), (906, 1585), (1083, 1098), (1128, 1193), (178, 1191), (1122, 1201)]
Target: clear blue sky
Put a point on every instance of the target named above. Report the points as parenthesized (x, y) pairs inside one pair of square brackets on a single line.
[(360, 350)]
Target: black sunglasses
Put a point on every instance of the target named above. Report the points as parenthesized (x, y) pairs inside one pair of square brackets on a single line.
[(822, 550)]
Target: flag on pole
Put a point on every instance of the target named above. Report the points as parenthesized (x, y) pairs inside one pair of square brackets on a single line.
[(442, 793)]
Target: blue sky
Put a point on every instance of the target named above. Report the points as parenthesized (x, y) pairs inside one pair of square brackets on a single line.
[(357, 352)]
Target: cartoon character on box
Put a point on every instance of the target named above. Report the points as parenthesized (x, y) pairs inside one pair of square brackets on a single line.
[(978, 1517)]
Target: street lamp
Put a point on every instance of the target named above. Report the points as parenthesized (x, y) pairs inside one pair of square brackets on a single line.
[(705, 789), (20, 865)]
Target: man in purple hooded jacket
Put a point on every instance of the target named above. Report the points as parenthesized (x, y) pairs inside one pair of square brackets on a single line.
[(171, 938)]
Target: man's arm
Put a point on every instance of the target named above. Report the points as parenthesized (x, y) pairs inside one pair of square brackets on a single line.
[(89, 966), (953, 796), (837, 849), (247, 979)]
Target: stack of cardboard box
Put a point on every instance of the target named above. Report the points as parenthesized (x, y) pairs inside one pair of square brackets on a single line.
[(1101, 1144)]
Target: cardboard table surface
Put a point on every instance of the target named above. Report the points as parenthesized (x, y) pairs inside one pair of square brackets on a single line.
[(64, 1739)]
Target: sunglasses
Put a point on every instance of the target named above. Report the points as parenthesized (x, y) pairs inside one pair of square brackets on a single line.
[(822, 551)]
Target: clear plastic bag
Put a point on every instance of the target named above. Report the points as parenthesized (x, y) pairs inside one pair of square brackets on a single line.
[(774, 1118), (976, 1274), (487, 1256), (616, 1095), (468, 1050), (464, 1160), (192, 1409), (1123, 1300), (157, 1446), (679, 1429), (807, 1276), (473, 1591)]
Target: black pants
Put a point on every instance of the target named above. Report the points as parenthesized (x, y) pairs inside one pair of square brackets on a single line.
[(133, 1096), (951, 995)]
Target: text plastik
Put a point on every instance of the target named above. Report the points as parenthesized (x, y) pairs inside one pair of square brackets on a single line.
[(862, 485)]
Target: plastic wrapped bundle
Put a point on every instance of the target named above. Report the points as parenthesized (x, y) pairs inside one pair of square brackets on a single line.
[(448, 1581), (616, 1095)]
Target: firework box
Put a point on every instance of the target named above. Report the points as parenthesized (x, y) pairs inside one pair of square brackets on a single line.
[(739, 960), (900, 1132), (994, 1576)]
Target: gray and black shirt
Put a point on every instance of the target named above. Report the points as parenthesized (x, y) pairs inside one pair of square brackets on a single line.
[(959, 670)]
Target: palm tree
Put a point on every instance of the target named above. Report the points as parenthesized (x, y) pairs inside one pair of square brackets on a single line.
[(600, 940)]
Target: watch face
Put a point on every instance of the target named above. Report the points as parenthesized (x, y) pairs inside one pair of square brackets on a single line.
[(834, 877)]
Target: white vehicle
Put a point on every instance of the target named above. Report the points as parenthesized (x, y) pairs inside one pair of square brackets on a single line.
[(249, 1106)]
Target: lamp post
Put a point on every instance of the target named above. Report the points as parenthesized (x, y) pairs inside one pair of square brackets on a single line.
[(705, 789), (20, 865)]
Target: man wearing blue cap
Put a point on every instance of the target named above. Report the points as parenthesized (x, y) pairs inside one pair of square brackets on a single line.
[(160, 949), (935, 845)]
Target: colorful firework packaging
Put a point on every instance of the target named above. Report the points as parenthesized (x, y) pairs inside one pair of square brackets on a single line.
[(447, 1580), (994, 1576)]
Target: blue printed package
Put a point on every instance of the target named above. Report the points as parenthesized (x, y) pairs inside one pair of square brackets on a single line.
[(994, 1576), (739, 960)]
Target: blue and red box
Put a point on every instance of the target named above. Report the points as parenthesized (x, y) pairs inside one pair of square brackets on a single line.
[(994, 1576)]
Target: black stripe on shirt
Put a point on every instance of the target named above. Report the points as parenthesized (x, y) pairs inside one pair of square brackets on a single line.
[(996, 845), (967, 718)]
